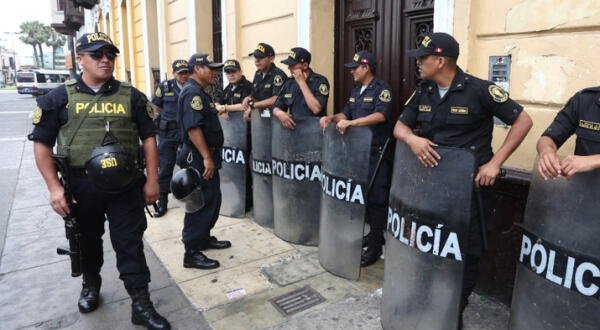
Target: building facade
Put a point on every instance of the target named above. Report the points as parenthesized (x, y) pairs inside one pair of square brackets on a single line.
[(540, 50)]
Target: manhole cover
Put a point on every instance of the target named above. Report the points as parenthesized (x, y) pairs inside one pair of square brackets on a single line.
[(297, 300)]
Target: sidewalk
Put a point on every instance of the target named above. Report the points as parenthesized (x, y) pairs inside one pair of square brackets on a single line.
[(36, 290)]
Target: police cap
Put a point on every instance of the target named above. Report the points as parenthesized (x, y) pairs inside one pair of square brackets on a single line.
[(232, 65), (204, 59), (93, 41), (297, 55), (440, 44), (263, 50), (180, 66), (362, 57)]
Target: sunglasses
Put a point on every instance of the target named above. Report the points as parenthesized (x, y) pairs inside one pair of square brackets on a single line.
[(98, 55)]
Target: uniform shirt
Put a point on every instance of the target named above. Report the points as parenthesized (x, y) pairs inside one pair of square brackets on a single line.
[(166, 97), (54, 112), (270, 85), (580, 116), (376, 97), (291, 98), (196, 109), (463, 118), (235, 96)]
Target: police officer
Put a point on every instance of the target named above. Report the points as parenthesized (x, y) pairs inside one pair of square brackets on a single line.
[(370, 104), (165, 101), (305, 94), (202, 142), (452, 108), (267, 82), (79, 116), (580, 116)]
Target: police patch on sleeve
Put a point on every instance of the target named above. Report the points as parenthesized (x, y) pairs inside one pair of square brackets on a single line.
[(498, 94), (36, 116), (196, 103), (277, 81), (158, 92), (149, 110), (385, 95), (323, 89)]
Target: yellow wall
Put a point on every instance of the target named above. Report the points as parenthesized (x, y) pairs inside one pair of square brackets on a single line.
[(176, 30), (139, 74), (553, 44), (322, 24)]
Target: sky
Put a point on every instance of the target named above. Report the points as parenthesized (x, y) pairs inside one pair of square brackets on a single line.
[(15, 12)]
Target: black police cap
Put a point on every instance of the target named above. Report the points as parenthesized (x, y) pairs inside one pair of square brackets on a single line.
[(91, 42), (440, 44), (180, 66), (232, 65), (297, 55), (203, 59), (362, 57), (263, 50)]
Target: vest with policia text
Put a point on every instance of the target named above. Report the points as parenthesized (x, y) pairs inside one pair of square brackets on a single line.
[(77, 139)]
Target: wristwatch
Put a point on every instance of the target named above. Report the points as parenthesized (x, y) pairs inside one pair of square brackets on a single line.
[(251, 104)]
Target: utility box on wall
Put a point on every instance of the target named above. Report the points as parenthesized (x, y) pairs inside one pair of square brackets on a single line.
[(499, 73)]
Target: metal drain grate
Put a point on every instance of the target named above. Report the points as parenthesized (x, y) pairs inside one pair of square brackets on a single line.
[(297, 300)]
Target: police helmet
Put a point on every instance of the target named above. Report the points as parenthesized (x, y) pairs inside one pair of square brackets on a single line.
[(111, 169), (186, 186)]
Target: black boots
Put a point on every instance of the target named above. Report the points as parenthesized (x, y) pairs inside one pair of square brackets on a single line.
[(374, 242), (90, 293), (194, 258), (214, 243), (161, 206), (143, 312)]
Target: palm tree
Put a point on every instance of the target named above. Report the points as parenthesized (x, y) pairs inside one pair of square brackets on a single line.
[(55, 41), (41, 37), (29, 32)]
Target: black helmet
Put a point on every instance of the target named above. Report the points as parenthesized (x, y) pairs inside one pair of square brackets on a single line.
[(111, 169), (186, 186)]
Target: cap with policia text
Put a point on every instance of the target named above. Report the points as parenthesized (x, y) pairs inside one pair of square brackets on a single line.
[(232, 65), (263, 50), (440, 44), (204, 59), (362, 57), (91, 42), (180, 66), (297, 55)]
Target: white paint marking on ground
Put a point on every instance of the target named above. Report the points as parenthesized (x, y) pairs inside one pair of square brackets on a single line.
[(12, 138)]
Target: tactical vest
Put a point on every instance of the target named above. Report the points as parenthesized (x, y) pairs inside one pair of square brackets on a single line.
[(113, 112)]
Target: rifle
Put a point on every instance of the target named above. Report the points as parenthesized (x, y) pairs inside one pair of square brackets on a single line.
[(71, 224)]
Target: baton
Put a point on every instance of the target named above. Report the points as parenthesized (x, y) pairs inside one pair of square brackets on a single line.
[(482, 219), (385, 145)]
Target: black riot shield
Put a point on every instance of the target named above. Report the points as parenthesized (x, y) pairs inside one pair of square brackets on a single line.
[(344, 189), (235, 160), (262, 182), (426, 238), (557, 285), (296, 180)]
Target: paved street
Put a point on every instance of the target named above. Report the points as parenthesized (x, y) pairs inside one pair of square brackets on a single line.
[(36, 291)]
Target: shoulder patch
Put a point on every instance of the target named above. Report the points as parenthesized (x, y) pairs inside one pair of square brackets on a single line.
[(158, 92), (498, 94), (196, 103), (71, 82), (150, 110), (385, 95), (323, 89), (278, 81), (36, 115)]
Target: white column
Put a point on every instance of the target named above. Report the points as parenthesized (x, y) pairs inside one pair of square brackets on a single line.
[(224, 36), (122, 39), (131, 44), (303, 23), (146, 40), (191, 17), (162, 38), (443, 16)]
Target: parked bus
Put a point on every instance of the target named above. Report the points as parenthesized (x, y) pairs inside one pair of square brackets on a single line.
[(40, 81)]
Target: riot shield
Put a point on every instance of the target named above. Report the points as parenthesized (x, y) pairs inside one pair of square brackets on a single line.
[(262, 183), (558, 271), (233, 171), (296, 180), (344, 189), (428, 221)]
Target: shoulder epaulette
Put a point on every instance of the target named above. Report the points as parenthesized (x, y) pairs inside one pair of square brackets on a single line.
[(71, 82)]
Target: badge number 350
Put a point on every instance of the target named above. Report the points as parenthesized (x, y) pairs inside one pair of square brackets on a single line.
[(108, 162)]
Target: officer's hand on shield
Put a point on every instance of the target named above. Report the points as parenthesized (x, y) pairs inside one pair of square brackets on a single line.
[(209, 168), (487, 174), (325, 121), (285, 118), (343, 125), (151, 191), (549, 165), (572, 164), (423, 149), (59, 202)]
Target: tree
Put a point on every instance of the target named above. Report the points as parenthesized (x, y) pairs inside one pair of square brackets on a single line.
[(41, 37), (29, 31), (55, 41)]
